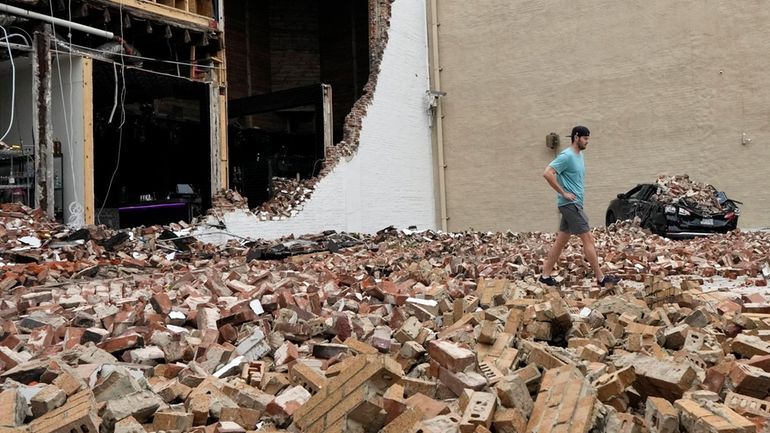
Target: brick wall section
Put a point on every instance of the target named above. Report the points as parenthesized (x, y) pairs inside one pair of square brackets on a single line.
[(248, 52), (379, 23), (78, 414), (565, 403), (294, 44), (711, 417), (745, 404), (363, 378)]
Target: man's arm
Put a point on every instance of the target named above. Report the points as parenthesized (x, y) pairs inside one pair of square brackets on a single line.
[(550, 176)]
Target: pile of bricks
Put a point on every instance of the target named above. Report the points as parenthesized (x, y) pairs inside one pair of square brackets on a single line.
[(428, 332), (681, 189), (228, 199), (288, 197)]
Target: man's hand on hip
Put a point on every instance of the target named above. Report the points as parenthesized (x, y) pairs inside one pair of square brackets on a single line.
[(569, 196)]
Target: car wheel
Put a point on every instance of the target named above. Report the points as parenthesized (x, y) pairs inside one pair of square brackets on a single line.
[(610, 218)]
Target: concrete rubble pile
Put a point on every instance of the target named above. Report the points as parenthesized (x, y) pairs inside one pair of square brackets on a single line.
[(681, 189), (393, 332)]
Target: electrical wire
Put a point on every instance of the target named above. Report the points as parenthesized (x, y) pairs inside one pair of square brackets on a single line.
[(7, 39), (13, 86), (122, 115), (133, 56)]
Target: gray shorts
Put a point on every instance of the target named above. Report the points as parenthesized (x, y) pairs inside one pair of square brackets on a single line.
[(573, 219)]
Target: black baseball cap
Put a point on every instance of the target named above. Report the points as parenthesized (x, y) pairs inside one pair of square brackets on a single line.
[(580, 131)]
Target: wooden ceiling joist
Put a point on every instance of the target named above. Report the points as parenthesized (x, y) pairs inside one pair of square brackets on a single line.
[(155, 11)]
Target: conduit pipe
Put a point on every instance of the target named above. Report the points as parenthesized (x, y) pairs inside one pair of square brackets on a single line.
[(439, 121), (56, 21)]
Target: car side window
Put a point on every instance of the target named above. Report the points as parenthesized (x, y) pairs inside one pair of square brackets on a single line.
[(636, 193), (646, 192)]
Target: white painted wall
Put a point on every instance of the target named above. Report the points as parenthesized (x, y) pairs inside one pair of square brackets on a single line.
[(389, 181), (21, 129), (67, 120)]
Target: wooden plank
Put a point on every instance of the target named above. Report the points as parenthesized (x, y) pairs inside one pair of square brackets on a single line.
[(177, 17), (224, 162), (214, 136), (88, 141), (204, 7), (282, 99), (328, 119)]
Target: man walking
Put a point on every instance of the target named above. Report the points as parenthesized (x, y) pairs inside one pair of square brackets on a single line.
[(566, 176)]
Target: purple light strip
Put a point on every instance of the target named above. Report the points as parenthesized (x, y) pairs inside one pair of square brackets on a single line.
[(152, 206)]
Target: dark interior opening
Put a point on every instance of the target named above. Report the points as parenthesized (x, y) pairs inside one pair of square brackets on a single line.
[(156, 168), (276, 48)]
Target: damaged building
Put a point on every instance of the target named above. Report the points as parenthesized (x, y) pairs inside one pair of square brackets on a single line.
[(140, 112), (330, 116), (125, 125)]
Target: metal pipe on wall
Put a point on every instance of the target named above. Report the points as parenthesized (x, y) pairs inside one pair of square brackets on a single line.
[(53, 20), (439, 121)]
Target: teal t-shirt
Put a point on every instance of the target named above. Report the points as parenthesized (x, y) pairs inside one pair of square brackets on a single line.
[(570, 173)]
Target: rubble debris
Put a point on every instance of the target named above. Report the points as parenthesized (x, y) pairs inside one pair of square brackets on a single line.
[(680, 188), (443, 332)]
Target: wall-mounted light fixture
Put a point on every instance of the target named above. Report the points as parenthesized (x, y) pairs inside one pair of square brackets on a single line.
[(552, 140), (745, 140)]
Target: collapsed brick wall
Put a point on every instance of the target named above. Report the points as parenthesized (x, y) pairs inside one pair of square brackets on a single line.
[(379, 24)]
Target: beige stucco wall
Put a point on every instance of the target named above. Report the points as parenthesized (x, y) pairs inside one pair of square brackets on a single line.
[(665, 87)]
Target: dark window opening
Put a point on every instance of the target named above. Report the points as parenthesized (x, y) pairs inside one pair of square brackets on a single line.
[(162, 152)]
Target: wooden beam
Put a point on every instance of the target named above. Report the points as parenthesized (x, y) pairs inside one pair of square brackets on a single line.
[(328, 121), (215, 126), (282, 99), (88, 140), (151, 10), (43, 126)]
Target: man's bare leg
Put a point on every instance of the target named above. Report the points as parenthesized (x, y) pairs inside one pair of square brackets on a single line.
[(589, 250), (553, 255)]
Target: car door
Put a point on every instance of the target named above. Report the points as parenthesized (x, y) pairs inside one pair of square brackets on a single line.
[(650, 211)]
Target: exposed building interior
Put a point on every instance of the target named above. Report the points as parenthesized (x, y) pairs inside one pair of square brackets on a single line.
[(127, 100), (155, 168), (295, 70)]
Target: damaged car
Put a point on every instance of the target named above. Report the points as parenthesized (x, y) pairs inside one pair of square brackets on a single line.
[(681, 214)]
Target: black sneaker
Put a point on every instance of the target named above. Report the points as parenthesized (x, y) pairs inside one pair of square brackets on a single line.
[(548, 281), (609, 279)]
